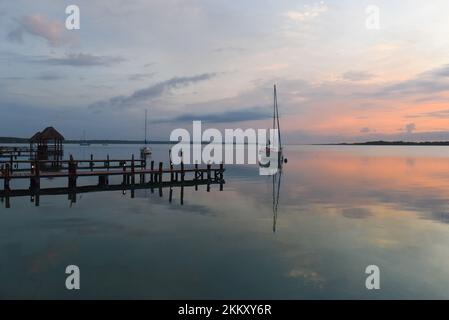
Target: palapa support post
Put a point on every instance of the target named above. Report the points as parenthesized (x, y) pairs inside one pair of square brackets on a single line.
[(108, 162), (170, 196)]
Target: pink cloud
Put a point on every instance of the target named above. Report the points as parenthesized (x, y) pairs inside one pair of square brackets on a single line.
[(39, 26)]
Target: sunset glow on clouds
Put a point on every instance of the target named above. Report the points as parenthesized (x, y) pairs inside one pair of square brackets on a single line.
[(216, 61)]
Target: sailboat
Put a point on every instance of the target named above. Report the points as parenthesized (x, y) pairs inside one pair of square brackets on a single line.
[(145, 151), (273, 152), (84, 141)]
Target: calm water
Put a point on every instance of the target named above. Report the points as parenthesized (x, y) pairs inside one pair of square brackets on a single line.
[(340, 209)]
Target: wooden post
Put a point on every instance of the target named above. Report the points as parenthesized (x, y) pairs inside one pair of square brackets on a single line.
[(6, 178), (11, 163), (182, 195), (160, 179), (37, 181), (208, 177), (151, 174), (124, 173), (133, 181), (91, 164), (72, 173), (221, 176), (170, 195), (196, 176), (36, 199), (108, 162), (160, 172), (133, 177), (182, 171), (7, 203)]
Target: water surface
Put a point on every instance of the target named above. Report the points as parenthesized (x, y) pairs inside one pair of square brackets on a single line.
[(340, 209)]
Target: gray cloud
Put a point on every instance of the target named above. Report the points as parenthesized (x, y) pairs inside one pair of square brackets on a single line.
[(430, 82), (82, 60), (415, 86), (15, 35), (228, 49), (365, 130), (356, 213), (249, 114), (440, 114), (140, 76), (409, 128), (357, 76), (442, 71), (49, 77), (151, 92)]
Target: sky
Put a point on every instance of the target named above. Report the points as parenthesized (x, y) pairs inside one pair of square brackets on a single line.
[(338, 79)]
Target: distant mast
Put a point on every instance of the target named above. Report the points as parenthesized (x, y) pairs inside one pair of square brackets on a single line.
[(146, 111), (145, 150)]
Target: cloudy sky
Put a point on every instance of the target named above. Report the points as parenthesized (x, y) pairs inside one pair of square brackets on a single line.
[(217, 60)]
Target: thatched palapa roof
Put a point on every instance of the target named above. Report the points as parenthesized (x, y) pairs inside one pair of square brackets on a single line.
[(35, 137), (49, 133)]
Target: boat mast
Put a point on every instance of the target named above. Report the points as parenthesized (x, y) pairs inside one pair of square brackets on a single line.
[(276, 116), (274, 108)]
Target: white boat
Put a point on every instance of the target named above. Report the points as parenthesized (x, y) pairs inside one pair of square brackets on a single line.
[(84, 142), (146, 150)]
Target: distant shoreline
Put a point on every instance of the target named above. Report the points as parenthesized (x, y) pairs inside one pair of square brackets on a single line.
[(389, 143), (97, 141), (11, 140)]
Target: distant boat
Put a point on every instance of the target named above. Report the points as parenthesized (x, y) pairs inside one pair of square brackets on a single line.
[(273, 152), (145, 151), (84, 141)]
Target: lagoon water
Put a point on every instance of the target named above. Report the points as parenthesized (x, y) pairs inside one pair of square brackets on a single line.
[(340, 209)]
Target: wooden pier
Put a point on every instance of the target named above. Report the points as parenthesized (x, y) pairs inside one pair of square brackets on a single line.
[(134, 174), (16, 152)]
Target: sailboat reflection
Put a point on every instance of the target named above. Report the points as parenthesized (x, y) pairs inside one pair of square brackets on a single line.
[(277, 178)]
